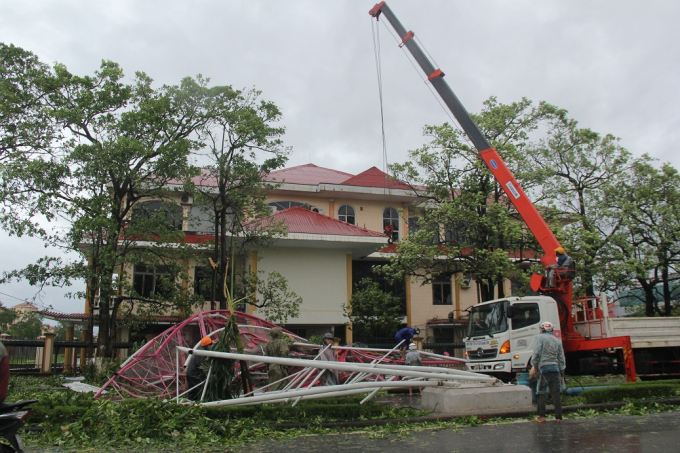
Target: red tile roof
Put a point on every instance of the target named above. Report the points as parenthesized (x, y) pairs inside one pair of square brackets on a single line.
[(84, 316), (301, 220), (373, 177), (308, 174)]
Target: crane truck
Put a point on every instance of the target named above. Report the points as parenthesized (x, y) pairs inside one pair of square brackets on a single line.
[(501, 333)]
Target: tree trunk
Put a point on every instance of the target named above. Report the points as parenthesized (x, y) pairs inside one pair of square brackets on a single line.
[(223, 257), (666, 290)]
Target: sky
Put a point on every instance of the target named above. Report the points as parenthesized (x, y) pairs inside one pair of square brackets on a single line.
[(613, 64)]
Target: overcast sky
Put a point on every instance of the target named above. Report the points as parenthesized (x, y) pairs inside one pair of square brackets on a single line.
[(614, 65)]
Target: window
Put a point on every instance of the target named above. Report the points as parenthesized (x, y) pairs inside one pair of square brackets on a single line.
[(203, 282), (391, 223), (170, 214), (441, 291), (152, 280), (281, 205), (346, 214), (525, 315), (488, 319)]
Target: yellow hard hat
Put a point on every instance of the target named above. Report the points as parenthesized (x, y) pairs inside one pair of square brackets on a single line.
[(560, 250)]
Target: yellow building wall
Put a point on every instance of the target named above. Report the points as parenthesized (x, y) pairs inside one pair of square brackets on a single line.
[(368, 214)]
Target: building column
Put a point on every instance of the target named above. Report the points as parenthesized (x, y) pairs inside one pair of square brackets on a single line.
[(48, 350), (348, 266), (253, 270), (39, 353), (122, 336), (456, 293), (69, 352), (85, 336), (408, 301), (331, 208)]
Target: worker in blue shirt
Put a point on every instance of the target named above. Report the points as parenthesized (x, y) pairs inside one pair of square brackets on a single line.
[(405, 337)]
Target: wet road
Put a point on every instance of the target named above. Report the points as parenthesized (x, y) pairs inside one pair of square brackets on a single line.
[(616, 434)]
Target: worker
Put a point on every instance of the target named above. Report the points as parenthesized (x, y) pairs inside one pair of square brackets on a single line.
[(565, 262), (329, 377), (404, 338), (195, 375), (413, 358), (548, 366), (277, 347)]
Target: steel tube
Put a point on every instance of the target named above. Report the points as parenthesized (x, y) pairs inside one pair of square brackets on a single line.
[(341, 366)]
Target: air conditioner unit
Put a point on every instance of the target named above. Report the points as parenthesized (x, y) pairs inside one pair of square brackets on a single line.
[(465, 283), (187, 199)]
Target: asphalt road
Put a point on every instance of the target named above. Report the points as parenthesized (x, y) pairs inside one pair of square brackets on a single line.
[(616, 434)]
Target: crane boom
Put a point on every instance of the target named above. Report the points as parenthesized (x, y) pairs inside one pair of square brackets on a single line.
[(526, 209), (572, 340)]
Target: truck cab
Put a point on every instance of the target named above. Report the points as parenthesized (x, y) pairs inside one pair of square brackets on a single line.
[(501, 333)]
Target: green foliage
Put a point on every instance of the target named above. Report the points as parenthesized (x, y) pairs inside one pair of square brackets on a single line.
[(468, 225), (61, 332), (7, 317), (153, 424), (372, 311), (272, 297), (315, 339), (577, 167), (633, 390), (95, 374), (241, 146), (223, 383), (644, 251), (28, 328), (109, 147)]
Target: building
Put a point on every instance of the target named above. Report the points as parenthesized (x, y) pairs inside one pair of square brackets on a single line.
[(339, 226), (24, 310)]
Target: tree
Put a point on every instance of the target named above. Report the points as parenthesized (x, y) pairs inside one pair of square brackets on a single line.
[(7, 317), (28, 328), (372, 311), (116, 146), (60, 333), (466, 223), (27, 133), (645, 250), (272, 297), (231, 190), (577, 167)]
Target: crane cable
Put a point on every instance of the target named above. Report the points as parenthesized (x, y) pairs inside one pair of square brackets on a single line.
[(378, 67), (420, 73)]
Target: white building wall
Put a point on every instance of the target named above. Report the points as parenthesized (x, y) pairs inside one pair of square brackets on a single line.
[(318, 276)]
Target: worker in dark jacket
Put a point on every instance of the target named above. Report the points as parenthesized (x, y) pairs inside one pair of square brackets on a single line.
[(277, 347), (565, 262), (194, 373), (405, 337)]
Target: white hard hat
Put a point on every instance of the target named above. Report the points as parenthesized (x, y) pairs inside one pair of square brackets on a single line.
[(412, 346), (546, 326)]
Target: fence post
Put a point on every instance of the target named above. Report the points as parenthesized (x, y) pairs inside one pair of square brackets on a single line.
[(85, 335), (69, 352), (47, 353), (39, 353)]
